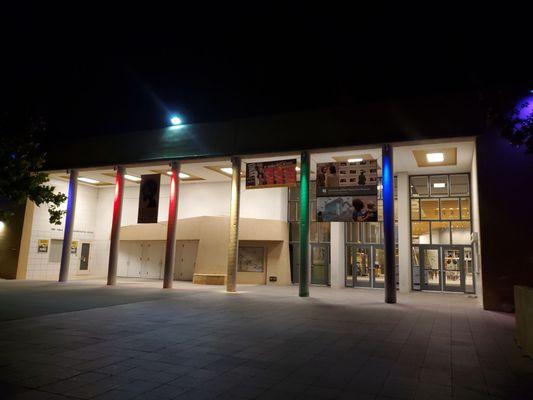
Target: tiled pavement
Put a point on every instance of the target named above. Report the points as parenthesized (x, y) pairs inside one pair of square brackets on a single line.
[(83, 341)]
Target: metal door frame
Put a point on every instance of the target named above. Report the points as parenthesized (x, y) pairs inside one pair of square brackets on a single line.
[(461, 287), (326, 246), (423, 284)]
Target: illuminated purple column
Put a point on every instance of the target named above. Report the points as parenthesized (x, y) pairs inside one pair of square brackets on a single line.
[(115, 227), (170, 252), (69, 225), (388, 223)]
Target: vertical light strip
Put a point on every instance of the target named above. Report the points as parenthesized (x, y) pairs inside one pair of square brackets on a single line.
[(304, 224), (388, 223), (170, 250)]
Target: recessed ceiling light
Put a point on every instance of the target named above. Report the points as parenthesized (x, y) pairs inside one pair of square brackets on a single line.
[(89, 180), (183, 175), (132, 178), (439, 185), (435, 157), (227, 170), (355, 159)]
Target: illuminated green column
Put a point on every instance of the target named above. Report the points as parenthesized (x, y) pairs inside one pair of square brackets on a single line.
[(304, 224)]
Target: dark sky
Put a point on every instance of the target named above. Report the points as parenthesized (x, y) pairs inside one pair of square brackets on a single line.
[(99, 70)]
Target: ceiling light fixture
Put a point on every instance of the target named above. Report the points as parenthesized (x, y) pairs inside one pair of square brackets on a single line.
[(182, 175), (89, 180), (435, 157), (355, 159), (132, 178), (227, 170), (298, 169), (439, 185)]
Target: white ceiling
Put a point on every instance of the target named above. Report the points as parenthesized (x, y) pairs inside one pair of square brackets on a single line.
[(404, 161)]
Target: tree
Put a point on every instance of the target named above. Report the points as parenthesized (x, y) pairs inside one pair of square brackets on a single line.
[(515, 124), (21, 163)]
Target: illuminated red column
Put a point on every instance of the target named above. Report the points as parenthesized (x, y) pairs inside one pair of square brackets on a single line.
[(170, 252), (115, 227)]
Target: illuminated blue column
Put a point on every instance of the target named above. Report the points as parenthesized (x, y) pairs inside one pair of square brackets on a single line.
[(388, 223), (69, 225)]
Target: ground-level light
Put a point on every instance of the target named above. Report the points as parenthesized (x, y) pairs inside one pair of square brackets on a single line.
[(175, 120)]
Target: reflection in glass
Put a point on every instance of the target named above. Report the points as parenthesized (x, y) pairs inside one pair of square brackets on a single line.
[(429, 208), (415, 209), (313, 232), (324, 232), (452, 267), (312, 210), (469, 270), (459, 185), (379, 264), (350, 262), (419, 186), (461, 232), (420, 233), (362, 265), (294, 208), (438, 185), (353, 232), (449, 209), (415, 256), (440, 232), (294, 193), (465, 208), (431, 267), (371, 232), (295, 232)]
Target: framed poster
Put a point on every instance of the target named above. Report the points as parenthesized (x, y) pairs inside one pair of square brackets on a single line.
[(251, 259), (42, 246), (149, 199), (347, 191), (74, 247), (281, 173)]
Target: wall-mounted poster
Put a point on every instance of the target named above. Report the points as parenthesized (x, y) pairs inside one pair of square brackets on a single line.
[(347, 191), (74, 247), (271, 174), (251, 259), (149, 199), (42, 246)]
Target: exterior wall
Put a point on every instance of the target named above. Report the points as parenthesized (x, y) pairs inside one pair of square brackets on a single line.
[(504, 177), (39, 265), (476, 229), (10, 240)]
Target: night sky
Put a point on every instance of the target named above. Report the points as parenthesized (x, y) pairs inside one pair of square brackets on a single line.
[(96, 71)]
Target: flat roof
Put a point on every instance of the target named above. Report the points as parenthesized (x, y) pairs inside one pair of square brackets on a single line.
[(414, 119)]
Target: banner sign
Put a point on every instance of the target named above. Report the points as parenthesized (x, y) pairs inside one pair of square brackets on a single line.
[(271, 174), (149, 199), (347, 191)]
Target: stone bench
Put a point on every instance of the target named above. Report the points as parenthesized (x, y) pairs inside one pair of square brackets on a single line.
[(209, 279)]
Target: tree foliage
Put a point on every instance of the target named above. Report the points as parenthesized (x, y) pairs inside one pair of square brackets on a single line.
[(21, 163), (515, 125)]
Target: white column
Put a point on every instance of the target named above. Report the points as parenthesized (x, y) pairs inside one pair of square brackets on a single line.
[(337, 254), (404, 240)]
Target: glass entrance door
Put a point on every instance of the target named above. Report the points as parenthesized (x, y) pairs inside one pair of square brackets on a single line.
[(319, 264), (430, 266), (378, 267), (453, 269), (362, 267)]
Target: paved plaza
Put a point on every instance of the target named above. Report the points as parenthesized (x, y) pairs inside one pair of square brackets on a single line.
[(82, 340)]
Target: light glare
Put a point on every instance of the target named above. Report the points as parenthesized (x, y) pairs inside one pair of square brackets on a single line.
[(175, 120)]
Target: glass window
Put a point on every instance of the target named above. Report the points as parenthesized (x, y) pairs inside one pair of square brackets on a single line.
[(415, 209), (461, 232), (294, 193), (415, 256), (294, 211), (429, 208), (440, 232), (438, 185), (459, 185), (295, 232), (324, 232), (419, 186), (420, 233), (465, 208), (371, 232), (380, 210), (312, 190), (353, 232), (312, 210), (313, 232), (449, 209)]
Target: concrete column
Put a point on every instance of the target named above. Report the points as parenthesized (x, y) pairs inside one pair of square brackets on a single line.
[(338, 254), (404, 239), (69, 225), (170, 252), (388, 223), (115, 227), (304, 223), (233, 247)]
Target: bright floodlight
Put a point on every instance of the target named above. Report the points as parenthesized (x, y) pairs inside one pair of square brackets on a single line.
[(435, 157), (175, 120), (2, 225)]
